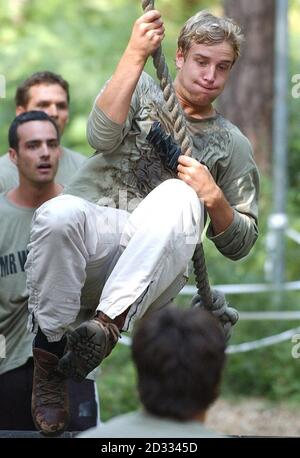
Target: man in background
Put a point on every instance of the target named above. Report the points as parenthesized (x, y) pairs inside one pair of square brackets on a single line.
[(48, 92), (34, 149), (179, 356)]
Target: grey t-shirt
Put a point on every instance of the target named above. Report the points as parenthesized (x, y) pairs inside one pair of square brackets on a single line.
[(142, 424), (15, 224), (69, 163), (14, 235), (125, 167)]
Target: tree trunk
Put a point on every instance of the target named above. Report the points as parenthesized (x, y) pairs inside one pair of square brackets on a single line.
[(247, 100)]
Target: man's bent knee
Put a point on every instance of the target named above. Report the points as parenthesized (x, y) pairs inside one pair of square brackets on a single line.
[(57, 214), (179, 191)]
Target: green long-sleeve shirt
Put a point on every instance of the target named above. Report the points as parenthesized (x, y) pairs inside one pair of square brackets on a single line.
[(125, 167)]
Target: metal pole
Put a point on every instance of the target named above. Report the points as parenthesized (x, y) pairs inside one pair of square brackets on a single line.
[(278, 220)]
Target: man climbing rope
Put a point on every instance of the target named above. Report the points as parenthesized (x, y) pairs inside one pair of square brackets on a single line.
[(86, 254)]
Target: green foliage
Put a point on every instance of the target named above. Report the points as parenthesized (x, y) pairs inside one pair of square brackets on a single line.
[(82, 41), (294, 108), (271, 372), (117, 384)]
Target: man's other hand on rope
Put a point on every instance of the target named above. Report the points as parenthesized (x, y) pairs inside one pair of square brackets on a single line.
[(200, 179)]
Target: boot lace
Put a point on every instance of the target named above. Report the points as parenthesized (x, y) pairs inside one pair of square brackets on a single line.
[(51, 390)]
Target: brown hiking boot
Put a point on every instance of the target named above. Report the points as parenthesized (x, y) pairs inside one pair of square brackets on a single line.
[(87, 346), (50, 403)]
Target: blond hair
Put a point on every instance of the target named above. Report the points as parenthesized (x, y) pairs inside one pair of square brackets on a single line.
[(205, 28)]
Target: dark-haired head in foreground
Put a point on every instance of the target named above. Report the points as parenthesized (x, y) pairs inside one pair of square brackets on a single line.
[(179, 356)]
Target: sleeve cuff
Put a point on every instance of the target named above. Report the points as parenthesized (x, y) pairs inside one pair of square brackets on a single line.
[(229, 240), (238, 239)]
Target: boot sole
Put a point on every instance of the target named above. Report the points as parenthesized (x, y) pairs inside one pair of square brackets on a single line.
[(86, 350)]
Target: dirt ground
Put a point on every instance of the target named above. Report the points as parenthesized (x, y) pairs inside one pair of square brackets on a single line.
[(254, 417)]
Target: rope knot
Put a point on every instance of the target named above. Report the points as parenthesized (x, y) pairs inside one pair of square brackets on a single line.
[(220, 308)]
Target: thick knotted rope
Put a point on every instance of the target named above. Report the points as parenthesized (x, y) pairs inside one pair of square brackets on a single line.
[(227, 316), (206, 297)]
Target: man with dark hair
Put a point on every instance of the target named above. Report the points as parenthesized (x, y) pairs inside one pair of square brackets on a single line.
[(23, 96), (35, 151), (48, 92), (27, 116), (124, 265), (179, 357)]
